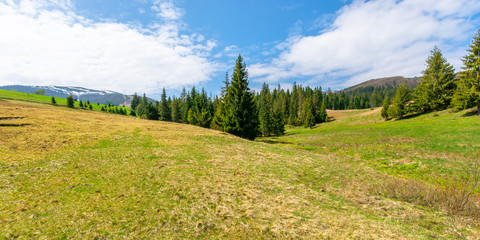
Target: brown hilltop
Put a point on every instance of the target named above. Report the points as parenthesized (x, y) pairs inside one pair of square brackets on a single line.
[(385, 82)]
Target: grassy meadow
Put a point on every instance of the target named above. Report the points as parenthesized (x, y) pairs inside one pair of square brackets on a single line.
[(438, 148), (66, 173), (35, 98)]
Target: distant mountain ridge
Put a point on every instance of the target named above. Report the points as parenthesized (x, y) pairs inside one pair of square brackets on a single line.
[(115, 98), (386, 82), (80, 93)]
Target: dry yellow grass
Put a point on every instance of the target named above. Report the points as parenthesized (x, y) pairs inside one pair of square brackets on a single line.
[(82, 174), (52, 128)]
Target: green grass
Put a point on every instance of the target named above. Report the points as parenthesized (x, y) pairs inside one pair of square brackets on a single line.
[(27, 97), (30, 97), (86, 174), (431, 148)]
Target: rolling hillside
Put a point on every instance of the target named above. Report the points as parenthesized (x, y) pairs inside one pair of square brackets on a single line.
[(386, 82), (83, 174), (80, 93)]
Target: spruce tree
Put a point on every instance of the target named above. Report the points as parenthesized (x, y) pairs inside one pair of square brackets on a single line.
[(202, 109), (220, 112), (265, 111), (399, 102), (437, 84), (375, 99), (135, 101), (308, 113), (322, 115), (151, 112), (191, 118), (204, 118), (70, 101), (176, 110), (293, 117), (385, 106), (317, 102), (90, 107), (278, 123), (140, 108), (183, 106), (278, 100), (80, 104), (54, 102), (164, 110), (241, 109), (468, 91), (217, 121), (286, 107)]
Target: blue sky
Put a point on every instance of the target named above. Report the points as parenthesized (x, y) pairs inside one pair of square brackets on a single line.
[(145, 45)]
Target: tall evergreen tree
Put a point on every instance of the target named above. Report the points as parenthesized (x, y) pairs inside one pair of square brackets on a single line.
[(375, 99), (140, 108), (176, 110), (135, 101), (286, 107), (183, 105), (191, 118), (190, 104), (399, 102), (70, 101), (322, 115), (385, 106), (54, 102), (265, 111), (165, 113), (241, 109), (317, 101), (308, 113), (203, 110), (150, 112), (220, 112), (437, 84), (217, 121), (331, 100), (278, 123), (468, 92), (293, 117)]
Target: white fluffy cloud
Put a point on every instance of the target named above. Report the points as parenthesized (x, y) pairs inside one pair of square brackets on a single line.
[(378, 38), (45, 43), (167, 10)]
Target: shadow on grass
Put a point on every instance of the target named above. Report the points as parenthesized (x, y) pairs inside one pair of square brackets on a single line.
[(274, 141), (11, 118), (286, 134), (414, 115), (471, 113), (14, 124)]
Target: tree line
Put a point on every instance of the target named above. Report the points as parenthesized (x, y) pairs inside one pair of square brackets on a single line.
[(238, 109), (440, 87), (241, 111), (110, 108)]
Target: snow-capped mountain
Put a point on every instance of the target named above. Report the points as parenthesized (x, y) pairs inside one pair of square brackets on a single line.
[(80, 93)]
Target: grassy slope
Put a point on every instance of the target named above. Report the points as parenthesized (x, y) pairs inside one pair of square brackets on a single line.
[(27, 97), (429, 147), (85, 174)]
